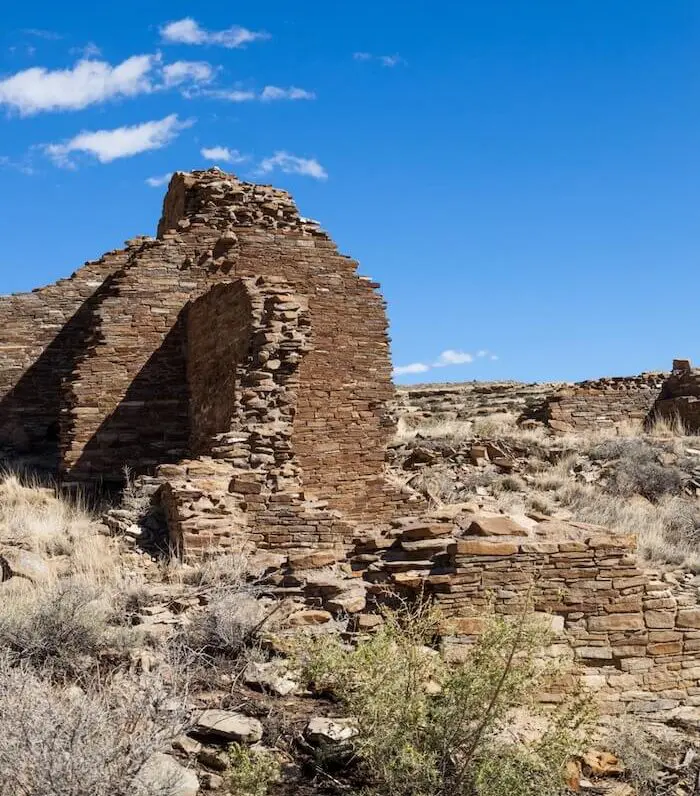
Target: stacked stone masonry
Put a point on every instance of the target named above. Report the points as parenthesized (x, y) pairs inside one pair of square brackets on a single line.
[(114, 368), (631, 636), (239, 363), (604, 403)]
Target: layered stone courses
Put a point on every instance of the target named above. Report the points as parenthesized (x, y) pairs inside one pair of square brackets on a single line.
[(630, 634), (679, 399), (117, 366), (602, 403)]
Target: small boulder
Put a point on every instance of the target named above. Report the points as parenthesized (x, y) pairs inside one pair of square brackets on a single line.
[(229, 725), (322, 731), (161, 774)]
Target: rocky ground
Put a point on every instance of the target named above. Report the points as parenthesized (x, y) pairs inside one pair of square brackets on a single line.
[(154, 677)]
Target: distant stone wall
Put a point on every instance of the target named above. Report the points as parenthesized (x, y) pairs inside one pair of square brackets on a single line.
[(603, 403), (679, 400)]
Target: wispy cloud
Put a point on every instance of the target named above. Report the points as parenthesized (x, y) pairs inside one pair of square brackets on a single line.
[(122, 142), (414, 367), (40, 33), (188, 31), (180, 72), (272, 93), (291, 164), (223, 154), (451, 357), (389, 61), (158, 182), (90, 50), (448, 358), (268, 94), (24, 165), (87, 83)]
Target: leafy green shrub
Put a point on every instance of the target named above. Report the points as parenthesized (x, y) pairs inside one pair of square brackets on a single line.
[(427, 729), (252, 772)]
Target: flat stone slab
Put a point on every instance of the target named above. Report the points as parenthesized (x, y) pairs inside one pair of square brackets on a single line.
[(229, 725)]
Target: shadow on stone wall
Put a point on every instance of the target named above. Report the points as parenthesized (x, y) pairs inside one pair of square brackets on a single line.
[(150, 425), (30, 414)]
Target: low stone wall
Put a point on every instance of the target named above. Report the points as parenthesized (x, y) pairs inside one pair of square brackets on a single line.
[(626, 633), (603, 403)]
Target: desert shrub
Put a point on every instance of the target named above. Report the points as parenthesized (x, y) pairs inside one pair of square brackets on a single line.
[(58, 741), (636, 469), (414, 742), (639, 751), (227, 627), (62, 626), (252, 772)]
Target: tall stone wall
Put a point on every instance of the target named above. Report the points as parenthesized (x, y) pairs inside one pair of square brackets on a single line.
[(115, 365)]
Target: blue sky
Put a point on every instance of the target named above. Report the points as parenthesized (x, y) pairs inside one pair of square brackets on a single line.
[(522, 177)]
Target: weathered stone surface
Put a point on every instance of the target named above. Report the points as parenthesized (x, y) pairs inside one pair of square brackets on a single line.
[(323, 731), (496, 526), (486, 547), (229, 725), (161, 773)]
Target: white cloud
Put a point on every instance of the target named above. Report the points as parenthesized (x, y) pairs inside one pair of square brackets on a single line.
[(270, 93), (87, 83), (188, 31), (158, 182), (223, 154), (49, 35), (385, 60), (291, 164), (234, 95), (122, 142), (414, 367), (451, 357), (447, 358), (187, 71), (90, 50)]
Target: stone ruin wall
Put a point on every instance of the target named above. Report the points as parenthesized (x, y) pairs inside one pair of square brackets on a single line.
[(679, 399), (116, 366), (627, 634), (603, 403), (97, 367)]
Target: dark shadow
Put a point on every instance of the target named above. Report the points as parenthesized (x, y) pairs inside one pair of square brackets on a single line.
[(150, 425), (30, 414)]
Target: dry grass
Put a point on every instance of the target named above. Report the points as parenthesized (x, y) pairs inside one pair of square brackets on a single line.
[(36, 519), (453, 430)]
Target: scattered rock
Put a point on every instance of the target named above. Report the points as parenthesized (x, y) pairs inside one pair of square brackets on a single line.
[(161, 773), (229, 725)]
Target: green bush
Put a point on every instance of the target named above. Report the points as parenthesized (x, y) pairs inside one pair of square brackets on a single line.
[(252, 772), (427, 729)]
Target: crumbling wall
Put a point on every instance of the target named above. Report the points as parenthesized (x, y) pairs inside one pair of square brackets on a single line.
[(42, 334), (679, 399), (150, 355), (604, 403)]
